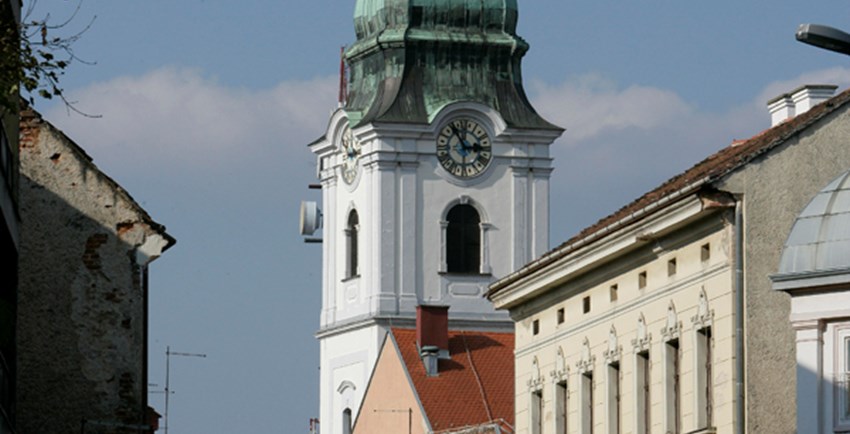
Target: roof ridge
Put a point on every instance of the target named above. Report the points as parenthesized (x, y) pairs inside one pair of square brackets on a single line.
[(715, 166)]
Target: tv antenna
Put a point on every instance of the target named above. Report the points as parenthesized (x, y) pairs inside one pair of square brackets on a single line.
[(168, 354)]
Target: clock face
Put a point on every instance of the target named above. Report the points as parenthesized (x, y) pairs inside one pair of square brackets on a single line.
[(351, 156), (464, 148)]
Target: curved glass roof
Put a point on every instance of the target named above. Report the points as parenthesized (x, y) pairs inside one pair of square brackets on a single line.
[(819, 241)]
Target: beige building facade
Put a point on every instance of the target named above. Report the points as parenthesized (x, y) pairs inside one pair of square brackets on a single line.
[(662, 317), (625, 345)]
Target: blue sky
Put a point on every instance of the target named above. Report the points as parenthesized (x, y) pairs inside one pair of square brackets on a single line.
[(208, 106)]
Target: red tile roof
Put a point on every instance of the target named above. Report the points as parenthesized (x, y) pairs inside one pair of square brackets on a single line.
[(709, 170), (455, 398)]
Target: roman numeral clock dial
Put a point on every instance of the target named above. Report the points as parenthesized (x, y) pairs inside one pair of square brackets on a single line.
[(464, 148)]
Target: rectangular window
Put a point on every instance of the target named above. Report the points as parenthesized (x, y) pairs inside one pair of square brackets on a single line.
[(705, 252), (561, 316), (642, 280), (842, 381), (587, 402), (671, 267), (643, 401), (535, 327), (561, 407), (614, 292), (613, 398), (585, 304), (702, 358), (672, 387), (537, 412), (846, 381)]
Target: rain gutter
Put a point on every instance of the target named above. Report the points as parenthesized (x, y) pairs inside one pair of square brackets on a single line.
[(740, 423)]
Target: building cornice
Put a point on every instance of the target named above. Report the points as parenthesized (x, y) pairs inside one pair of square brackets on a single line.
[(471, 322), (615, 243)]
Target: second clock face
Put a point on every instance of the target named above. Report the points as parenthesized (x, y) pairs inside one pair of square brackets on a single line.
[(351, 149), (464, 148)]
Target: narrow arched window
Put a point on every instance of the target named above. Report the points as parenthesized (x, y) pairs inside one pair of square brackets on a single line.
[(351, 229), (346, 421), (463, 240)]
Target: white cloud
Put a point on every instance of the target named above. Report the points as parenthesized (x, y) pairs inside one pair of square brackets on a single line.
[(620, 142), (590, 105), (182, 117)]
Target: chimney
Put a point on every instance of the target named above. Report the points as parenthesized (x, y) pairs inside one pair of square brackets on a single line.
[(432, 335), (798, 101)]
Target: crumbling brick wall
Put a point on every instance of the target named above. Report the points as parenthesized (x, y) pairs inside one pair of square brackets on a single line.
[(82, 304)]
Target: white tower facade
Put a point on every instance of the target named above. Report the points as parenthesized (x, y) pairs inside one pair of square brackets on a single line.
[(431, 189)]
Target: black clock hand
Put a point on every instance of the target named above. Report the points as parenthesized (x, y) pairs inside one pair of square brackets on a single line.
[(461, 141)]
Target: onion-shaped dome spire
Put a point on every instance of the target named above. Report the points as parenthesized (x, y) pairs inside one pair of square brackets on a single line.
[(413, 57)]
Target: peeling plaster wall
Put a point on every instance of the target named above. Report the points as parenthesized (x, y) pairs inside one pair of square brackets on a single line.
[(776, 188), (81, 312)]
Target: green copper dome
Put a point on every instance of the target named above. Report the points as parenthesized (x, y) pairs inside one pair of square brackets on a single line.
[(413, 57)]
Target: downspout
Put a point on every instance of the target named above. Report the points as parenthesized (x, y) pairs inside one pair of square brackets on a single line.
[(739, 319)]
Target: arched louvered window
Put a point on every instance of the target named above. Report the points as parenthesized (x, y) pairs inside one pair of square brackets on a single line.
[(463, 240)]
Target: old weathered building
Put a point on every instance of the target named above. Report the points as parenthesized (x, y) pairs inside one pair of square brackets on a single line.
[(82, 305), (815, 271), (662, 317)]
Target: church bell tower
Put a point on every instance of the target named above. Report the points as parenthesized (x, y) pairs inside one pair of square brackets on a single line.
[(435, 181)]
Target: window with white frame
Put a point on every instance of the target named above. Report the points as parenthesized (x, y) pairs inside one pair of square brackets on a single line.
[(463, 240), (672, 386), (561, 403), (346, 421), (536, 411), (352, 228), (643, 401), (613, 397), (842, 379), (587, 402), (703, 368)]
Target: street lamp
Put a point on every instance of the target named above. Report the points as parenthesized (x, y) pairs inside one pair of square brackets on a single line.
[(828, 38)]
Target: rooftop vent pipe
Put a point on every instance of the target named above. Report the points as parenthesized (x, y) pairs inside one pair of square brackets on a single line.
[(430, 359)]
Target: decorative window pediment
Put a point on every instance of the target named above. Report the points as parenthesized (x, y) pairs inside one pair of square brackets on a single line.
[(587, 359), (612, 354), (562, 371), (641, 342), (536, 381), (704, 316), (671, 330)]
